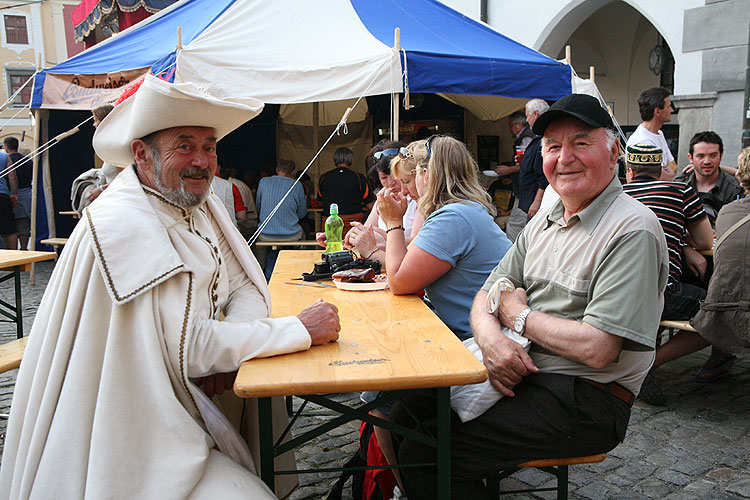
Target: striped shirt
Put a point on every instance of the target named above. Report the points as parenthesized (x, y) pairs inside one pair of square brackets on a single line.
[(677, 206), (285, 221)]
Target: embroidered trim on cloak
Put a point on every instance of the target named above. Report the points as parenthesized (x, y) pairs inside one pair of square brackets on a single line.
[(111, 283), (183, 335)]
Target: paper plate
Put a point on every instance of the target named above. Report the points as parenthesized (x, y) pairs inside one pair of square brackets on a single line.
[(490, 173), (361, 287)]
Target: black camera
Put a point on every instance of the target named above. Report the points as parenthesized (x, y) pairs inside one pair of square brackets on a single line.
[(339, 261)]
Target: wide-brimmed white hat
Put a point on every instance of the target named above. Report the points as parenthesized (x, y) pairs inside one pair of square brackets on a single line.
[(159, 105)]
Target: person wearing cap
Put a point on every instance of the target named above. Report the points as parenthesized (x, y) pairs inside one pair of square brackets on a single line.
[(107, 403), (686, 228), (575, 265)]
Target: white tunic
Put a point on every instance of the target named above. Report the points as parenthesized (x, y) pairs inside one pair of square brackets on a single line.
[(104, 406)]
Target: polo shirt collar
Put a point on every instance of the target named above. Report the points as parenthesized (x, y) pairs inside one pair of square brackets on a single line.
[(592, 214)]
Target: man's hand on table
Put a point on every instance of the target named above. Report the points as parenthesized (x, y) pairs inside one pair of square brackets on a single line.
[(322, 322)]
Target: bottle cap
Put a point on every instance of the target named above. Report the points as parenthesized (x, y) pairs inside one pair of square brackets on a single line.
[(334, 209)]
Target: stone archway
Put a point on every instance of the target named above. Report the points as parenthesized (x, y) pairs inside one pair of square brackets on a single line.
[(617, 39)]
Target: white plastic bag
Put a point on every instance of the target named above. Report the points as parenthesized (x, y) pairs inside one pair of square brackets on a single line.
[(226, 437), (470, 401)]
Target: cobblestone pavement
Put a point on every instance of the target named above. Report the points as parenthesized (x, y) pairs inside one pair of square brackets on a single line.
[(696, 447)]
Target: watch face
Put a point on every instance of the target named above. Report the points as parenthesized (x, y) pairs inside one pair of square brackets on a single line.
[(518, 325)]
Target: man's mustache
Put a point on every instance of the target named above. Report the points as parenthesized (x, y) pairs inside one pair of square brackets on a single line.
[(195, 172)]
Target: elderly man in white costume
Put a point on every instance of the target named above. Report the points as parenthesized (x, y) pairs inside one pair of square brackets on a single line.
[(104, 405)]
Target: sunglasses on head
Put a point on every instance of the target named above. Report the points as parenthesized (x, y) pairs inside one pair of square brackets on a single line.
[(385, 152), (427, 144), (404, 153)]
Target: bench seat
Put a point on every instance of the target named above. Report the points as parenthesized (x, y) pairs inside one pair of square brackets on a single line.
[(11, 354)]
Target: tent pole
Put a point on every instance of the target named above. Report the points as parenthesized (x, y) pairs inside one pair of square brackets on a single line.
[(396, 96), (47, 177), (591, 74), (316, 125), (568, 57), (34, 179)]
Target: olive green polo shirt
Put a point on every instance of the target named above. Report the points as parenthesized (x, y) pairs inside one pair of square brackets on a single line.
[(606, 266)]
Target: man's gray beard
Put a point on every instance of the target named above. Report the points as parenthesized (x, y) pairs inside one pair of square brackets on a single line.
[(177, 196)]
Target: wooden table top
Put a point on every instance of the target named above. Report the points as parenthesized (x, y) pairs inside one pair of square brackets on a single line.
[(12, 258), (386, 342)]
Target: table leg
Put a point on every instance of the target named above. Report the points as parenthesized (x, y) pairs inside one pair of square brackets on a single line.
[(19, 305), (444, 442), (265, 423)]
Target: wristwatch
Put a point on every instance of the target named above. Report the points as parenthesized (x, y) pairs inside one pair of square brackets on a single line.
[(519, 325)]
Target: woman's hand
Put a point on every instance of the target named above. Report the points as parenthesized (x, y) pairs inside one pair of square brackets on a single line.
[(392, 207), (362, 239)]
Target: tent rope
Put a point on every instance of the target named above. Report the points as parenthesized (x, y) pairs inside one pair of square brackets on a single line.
[(44, 147), (24, 108), (342, 123)]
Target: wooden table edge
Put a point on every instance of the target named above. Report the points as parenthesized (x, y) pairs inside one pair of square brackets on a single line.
[(345, 386)]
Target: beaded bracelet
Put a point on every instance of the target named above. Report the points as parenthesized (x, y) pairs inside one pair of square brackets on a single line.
[(394, 228)]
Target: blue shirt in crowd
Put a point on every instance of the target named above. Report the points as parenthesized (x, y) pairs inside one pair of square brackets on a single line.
[(285, 221), (4, 186), (466, 236)]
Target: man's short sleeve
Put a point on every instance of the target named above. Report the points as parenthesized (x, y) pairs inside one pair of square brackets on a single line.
[(692, 206), (625, 296), (511, 265)]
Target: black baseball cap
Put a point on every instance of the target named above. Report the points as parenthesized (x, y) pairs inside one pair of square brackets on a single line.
[(582, 106)]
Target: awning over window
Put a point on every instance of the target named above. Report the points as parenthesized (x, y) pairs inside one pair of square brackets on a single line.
[(89, 13)]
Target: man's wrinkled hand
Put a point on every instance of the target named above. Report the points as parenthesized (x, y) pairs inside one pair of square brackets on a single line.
[(322, 322), (507, 363)]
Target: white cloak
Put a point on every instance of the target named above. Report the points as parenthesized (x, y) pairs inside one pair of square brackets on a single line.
[(103, 405)]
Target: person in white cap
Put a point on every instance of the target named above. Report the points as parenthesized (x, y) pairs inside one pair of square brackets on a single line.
[(107, 402)]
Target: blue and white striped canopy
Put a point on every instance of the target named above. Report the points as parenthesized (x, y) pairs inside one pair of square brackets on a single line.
[(294, 51)]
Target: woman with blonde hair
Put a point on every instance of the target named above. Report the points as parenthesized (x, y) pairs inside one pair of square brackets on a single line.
[(459, 242)]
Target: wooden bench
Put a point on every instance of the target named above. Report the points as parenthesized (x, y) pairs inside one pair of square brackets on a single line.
[(676, 325), (299, 243), (11, 354), (558, 467), (54, 242)]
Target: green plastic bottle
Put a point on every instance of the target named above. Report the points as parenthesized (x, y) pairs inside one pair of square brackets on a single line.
[(334, 228)]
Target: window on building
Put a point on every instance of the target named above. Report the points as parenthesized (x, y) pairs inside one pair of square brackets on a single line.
[(15, 29), (16, 78)]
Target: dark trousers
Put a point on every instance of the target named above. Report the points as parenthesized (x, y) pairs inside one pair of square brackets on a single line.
[(682, 301), (551, 416)]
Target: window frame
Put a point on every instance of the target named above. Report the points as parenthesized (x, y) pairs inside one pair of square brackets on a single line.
[(24, 75)]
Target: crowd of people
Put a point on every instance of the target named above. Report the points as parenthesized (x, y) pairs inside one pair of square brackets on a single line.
[(573, 264)]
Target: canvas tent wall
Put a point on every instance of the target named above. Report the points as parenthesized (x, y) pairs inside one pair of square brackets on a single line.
[(298, 51)]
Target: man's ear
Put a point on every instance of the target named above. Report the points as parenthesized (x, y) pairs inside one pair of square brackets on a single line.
[(140, 153)]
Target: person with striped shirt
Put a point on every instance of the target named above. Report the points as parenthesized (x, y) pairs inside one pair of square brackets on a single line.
[(687, 230), (680, 212)]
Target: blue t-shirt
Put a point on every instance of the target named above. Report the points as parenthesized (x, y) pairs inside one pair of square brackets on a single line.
[(4, 185), (466, 236)]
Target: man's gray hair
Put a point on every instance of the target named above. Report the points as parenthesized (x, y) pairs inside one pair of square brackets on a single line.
[(518, 117), (538, 105)]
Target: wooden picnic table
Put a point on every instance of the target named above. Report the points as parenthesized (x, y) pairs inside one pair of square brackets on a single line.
[(18, 261), (387, 342)]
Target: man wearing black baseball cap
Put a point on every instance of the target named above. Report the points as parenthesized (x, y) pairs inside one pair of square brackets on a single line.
[(590, 273)]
